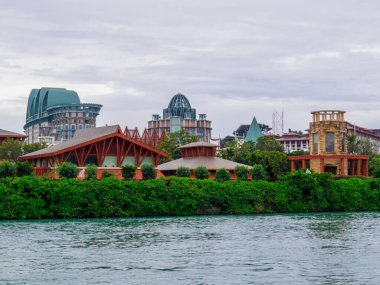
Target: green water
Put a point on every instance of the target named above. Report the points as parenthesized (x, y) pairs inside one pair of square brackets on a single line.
[(271, 249)]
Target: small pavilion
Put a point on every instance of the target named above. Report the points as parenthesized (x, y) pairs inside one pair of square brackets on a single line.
[(328, 147), (200, 154), (6, 135)]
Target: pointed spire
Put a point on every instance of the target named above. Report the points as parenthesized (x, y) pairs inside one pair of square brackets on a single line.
[(254, 132)]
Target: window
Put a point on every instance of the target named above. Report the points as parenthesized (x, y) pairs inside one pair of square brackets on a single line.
[(315, 143), (330, 146)]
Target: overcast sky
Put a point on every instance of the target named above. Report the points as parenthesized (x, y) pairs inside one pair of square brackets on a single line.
[(232, 59)]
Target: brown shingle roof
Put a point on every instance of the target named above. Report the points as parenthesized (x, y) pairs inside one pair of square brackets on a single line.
[(81, 136), (9, 134), (211, 163)]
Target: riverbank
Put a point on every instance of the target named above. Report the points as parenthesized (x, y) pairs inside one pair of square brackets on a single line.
[(35, 198)]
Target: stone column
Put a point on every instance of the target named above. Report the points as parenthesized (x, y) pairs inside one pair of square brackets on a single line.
[(292, 165), (322, 165), (358, 167)]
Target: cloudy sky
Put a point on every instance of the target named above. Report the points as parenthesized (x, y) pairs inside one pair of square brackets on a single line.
[(233, 59)]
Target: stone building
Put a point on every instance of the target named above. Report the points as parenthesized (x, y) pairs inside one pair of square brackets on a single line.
[(180, 115), (328, 147)]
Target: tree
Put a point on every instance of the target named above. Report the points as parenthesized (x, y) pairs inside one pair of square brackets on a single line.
[(359, 146), (148, 171), (172, 141), (275, 163), (7, 169), (23, 168), (128, 171), (90, 172), (242, 172), (222, 175), (67, 170), (183, 171), (259, 173), (268, 143), (201, 172), (11, 150)]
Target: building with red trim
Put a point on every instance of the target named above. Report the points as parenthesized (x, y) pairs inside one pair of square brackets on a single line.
[(328, 147), (107, 147), (200, 154), (6, 135)]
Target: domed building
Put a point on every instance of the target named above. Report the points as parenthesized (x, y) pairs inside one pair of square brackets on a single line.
[(54, 114), (179, 115)]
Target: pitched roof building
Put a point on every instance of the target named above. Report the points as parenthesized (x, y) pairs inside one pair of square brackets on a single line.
[(199, 154), (5, 135), (254, 132)]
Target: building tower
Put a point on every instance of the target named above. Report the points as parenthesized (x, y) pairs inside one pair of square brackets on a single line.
[(54, 114), (179, 115), (328, 147)]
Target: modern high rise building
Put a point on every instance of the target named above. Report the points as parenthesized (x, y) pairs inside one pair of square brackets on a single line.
[(54, 114), (179, 115)]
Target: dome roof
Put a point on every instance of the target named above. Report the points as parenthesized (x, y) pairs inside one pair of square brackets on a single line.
[(179, 101), (179, 106), (41, 99)]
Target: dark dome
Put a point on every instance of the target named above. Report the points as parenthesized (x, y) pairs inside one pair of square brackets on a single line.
[(179, 106), (179, 101)]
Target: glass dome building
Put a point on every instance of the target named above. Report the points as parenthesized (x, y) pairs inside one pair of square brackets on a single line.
[(54, 114), (179, 115)]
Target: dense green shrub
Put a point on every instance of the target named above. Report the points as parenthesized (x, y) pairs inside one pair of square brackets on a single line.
[(90, 172), (7, 169), (242, 172), (222, 175), (106, 174), (183, 171), (259, 173), (376, 172), (67, 170), (148, 171), (23, 168), (201, 172), (128, 171)]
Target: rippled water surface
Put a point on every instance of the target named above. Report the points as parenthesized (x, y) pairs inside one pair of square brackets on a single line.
[(271, 249)]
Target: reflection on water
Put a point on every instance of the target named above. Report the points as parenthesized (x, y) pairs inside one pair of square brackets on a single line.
[(287, 249)]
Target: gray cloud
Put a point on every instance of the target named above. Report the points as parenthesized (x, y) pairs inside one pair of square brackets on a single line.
[(233, 59)]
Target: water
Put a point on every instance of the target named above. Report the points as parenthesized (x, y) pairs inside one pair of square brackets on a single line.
[(271, 249)]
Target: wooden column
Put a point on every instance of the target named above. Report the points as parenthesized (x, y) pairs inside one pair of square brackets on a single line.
[(292, 165), (365, 167), (303, 163), (321, 165), (358, 167), (352, 165), (342, 166)]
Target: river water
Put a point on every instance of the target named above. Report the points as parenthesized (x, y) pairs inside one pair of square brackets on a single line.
[(340, 248)]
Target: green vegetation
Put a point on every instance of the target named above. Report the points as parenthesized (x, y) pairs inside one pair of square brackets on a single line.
[(222, 175), (107, 174), (128, 171), (172, 141), (23, 168), (32, 198), (183, 171), (90, 172), (7, 169), (259, 173), (148, 171), (12, 149), (67, 170), (201, 172), (242, 173)]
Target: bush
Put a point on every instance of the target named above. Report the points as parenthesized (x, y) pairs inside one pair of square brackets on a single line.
[(90, 172), (128, 171), (23, 168), (241, 172), (7, 169), (106, 174), (376, 172), (201, 172), (259, 173), (222, 175), (148, 171), (183, 171), (67, 170)]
